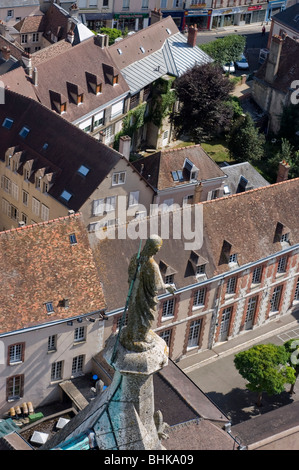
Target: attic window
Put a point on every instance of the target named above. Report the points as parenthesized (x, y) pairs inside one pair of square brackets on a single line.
[(49, 307), (24, 132), (62, 108), (73, 239), (285, 237), (7, 123), (65, 195), (98, 88), (80, 99), (142, 49), (233, 258), (177, 175), (83, 170), (119, 51)]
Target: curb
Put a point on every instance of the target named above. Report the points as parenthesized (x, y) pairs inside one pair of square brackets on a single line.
[(236, 348)]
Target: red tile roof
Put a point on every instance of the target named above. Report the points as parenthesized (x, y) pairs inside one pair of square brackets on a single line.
[(39, 264)]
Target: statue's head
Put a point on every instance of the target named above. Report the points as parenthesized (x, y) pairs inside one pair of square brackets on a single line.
[(153, 245)]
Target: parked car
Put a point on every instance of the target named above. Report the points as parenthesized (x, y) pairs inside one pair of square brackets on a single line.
[(229, 67), (242, 64)]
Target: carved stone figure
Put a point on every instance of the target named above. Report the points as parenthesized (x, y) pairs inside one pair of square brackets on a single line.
[(142, 307)]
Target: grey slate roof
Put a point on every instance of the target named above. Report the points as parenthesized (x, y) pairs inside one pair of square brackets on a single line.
[(289, 17), (235, 172), (175, 57)]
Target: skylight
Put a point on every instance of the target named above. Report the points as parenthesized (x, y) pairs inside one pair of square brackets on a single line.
[(7, 123), (66, 195), (119, 51), (142, 49), (168, 30), (177, 175), (83, 170), (24, 132), (73, 239)]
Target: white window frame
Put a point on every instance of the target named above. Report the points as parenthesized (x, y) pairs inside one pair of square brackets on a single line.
[(16, 353), (57, 371), (80, 334), (231, 285), (45, 212), (118, 178), (282, 265), (35, 206), (117, 109), (98, 206), (257, 275), (168, 308), (194, 333), (166, 335), (199, 297), (134, 198)]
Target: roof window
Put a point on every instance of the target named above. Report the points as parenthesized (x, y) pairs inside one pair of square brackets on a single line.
[(168, 31), (7, 123), (119, 51), (73, 239), (142, 49), (24, 132), (83, 170), (65, 195), (177, 175), (49, 307)]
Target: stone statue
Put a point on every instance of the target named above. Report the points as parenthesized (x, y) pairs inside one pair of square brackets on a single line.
[(142, 306)]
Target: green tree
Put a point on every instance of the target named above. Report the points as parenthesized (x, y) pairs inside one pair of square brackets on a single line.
[(289, 124), (292, 348), (113, 33), (266, 369), (225, 50), (202, 92), (245, 143)]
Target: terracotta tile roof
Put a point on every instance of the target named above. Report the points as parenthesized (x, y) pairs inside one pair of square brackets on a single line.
[(38, 265), (151, 39), (73, 65), (288, 69), (158, 168), (31, 24), (247, 220), (67, 148)]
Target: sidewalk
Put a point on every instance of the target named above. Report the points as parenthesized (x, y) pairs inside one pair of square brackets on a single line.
[(243, 341), (256, 27)]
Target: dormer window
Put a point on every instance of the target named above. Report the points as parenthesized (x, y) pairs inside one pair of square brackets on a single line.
[(94, 82), (233, 258), (80, 99), (191, 168), (38, 182), (169, 279), (200, 269), (285, 238)]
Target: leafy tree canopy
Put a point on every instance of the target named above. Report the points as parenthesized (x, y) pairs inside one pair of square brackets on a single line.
[(266, 368), (227, 49), (245, 143), (202, 92), (113, 33)]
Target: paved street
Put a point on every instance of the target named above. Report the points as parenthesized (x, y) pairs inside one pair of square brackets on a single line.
[(224, 385)]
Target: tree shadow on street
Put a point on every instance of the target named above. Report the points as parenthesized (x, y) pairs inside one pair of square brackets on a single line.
[(240, 404)]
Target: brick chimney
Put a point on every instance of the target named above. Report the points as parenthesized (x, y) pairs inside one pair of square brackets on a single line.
[(5, 51), (283, 171), (197, 193), (124, 146), (273, 59), (192, 35)]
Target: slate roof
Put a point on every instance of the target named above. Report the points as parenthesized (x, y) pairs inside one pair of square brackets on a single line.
[(68, 148), (39, 264), (289, 17), (246, 170), (288, 69), (268, 424), (247, 220), (170, 387), (166, 51), (157, 168)]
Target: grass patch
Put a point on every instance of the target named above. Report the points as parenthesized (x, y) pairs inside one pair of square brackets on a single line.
[(217, 150)]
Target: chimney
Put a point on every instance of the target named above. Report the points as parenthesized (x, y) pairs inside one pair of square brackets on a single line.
[(102, 40), (197, 193), (27, 62), (283, 171), (273, 59), (70, 36), (124, 146), (5, 52), (156, 15), (74, 11), (34, 77), (192, 35)]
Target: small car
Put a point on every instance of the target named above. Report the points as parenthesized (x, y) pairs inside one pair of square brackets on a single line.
[(229, 67), (242, 64)]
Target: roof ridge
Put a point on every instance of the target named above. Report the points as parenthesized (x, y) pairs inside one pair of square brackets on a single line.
[(46, 222), (249, 191)]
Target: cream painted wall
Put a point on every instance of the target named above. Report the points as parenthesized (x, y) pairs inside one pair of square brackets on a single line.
[(38, 387)]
